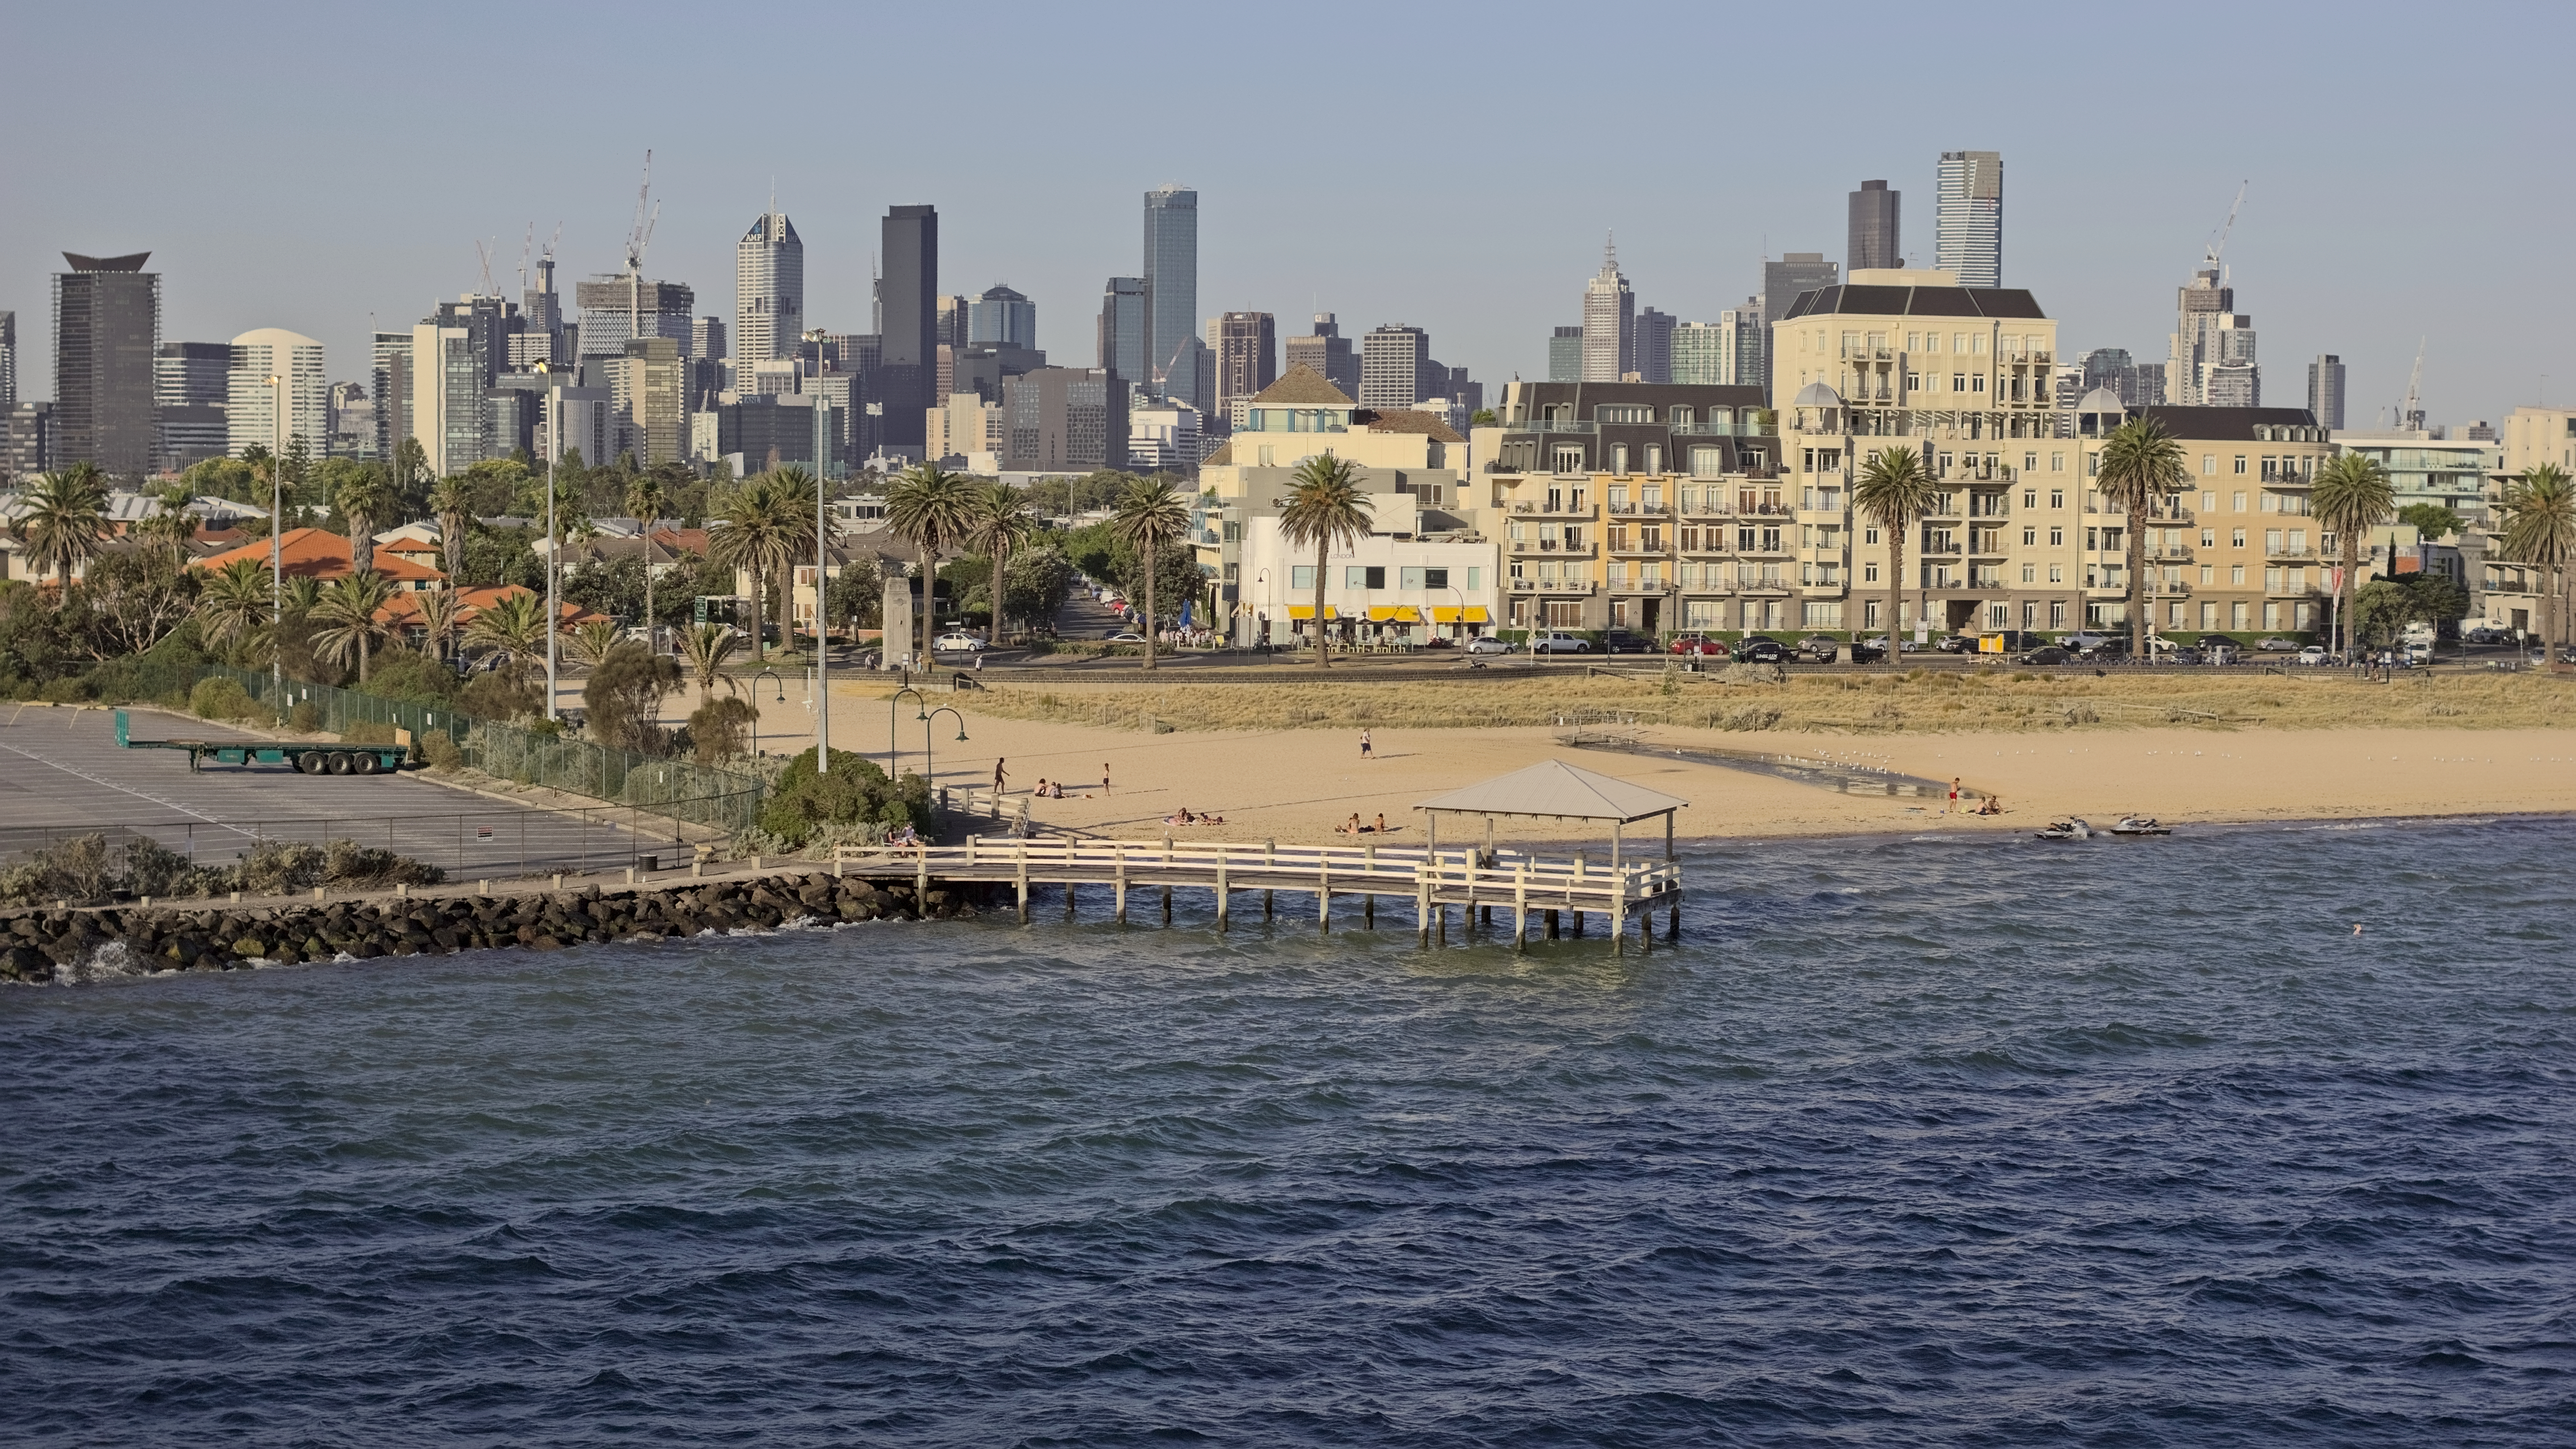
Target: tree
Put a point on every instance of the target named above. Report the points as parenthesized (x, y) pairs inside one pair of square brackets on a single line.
[(233, 610), (171, 525), (438, 608), (856, 596), (2350, 496), (591, 641), (63, 521), (412, 479), (346, 618), (624, 697), (798, 496), (1325, 507), (2431, 521), (707, 647), (2142, 470), (2435, 598), (755, 529), (720, 728), (130, 601), (516, 623), (646, 501), (1894, 492), (930, 509), (1000, 522), (2380, 612), (1148, 516), (2539, 517), (365, 497), (452, 499)]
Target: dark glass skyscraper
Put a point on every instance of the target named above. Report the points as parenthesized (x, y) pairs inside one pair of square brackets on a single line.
[(1172, 280), (1876, 238), (1123, 339), (107, 329), (909, 297)]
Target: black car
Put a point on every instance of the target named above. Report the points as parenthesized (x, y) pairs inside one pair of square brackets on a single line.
[(2046, 654), (1620, 641), (1758, 650), (1866, 653)]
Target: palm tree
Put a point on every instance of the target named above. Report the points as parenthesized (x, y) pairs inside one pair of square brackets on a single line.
[(64, 522), (591, 640), (2141, 467), (761, 523), (2539, 517), (930, 509), (646, 501), (234, 609), (452, 499), (170, 526), (437, 617), (707, 647), (1894, 492), (2351, 496), (1002, 521), (1147, 516), (366, 498), (794, 499), (347, 613), (514, 622), (1325, 507)]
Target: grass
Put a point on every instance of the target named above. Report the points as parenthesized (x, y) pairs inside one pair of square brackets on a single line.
[(1922, 701)]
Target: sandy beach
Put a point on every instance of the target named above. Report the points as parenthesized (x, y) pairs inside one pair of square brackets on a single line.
[(1298, 784)]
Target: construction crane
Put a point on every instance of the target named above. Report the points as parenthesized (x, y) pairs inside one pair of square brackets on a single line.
[(2410, 418), (638, 237), (485, 254), (526, 245), (2218, 248)]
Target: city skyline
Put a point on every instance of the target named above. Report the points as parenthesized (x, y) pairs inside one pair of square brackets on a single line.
[(1056, 227)]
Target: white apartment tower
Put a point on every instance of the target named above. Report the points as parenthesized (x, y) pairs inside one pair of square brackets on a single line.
[(1609, 322), (1969, 225), (252, 402), (769, 290)]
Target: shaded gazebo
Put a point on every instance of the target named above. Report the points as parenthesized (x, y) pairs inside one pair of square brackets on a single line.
[(1555, 790)]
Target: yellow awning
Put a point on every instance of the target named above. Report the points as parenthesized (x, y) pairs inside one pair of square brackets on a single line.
[(1394, 614), (1307, 611), (1448, 614)]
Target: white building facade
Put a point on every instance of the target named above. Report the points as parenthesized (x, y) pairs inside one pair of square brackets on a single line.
[(252, 403)]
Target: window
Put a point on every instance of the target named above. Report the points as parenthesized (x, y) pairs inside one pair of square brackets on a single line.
[(1868, 573), (1958, 342), (1475, 579), (1977, 382), (2030, 573), (2030, 462), (1958, 382), (1301, 577), (1432, 578), (1654, 458), (2092, 465), (2208, 464), (2240, 463), (1623, 413), (1650, 576), (1516, 570), (1707, 462), (2057, 538), (2236, 576), (2057, 573), (1618, 538), (2056, 498), (1682, 417), (1573, 538), (2209, 503), (2030, 498), (2056, 611), (1568, 460), (2240, 503), (1869, 535), (2208, 575), (2209, 538), (1618, 457)]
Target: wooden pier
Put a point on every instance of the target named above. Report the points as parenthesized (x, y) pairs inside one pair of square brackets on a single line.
[(1479, 883)]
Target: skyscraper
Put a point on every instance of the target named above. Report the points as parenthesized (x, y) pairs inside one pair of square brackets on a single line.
[(8, 362), (911, 346), (769, 290), (303, 390), (1171, 272), (1123, 338), (950, 329), (2325, 390), (1654, 346), (191, 387), (2212, 360), (390, 377), (107, 328), (1969, 226), (1609, 322), (1875, 240), (1700, 353), (1794, 273), (1747, 345), (1246, 345), (615, 310), (1328, 353), (541, 338), (1565, 355), (1393, 362), (1001, 318)]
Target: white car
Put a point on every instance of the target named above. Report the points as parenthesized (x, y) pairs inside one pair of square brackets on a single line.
[(1487, 644), (957, 643), (1551, 641), (2314, 655)]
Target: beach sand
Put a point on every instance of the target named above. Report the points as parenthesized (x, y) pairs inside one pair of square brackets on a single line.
[(1298, 784)]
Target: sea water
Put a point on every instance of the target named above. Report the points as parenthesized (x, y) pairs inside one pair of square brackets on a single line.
[(1909, 1140)]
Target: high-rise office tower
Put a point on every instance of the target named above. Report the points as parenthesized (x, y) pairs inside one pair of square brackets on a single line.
[(1394, 362), (191, 386), (1124, 344), (707, 339), (954, 324), (2212, 362), (8, 362), (1654, 346), (1747, 344), (107, 329), (274, 369), (1246, 345), (1171, 272), (1794, 273), (30, 441), (2325, 390), (1969, 225), (615, 310), (1875, 238), (1327, 353), (1001, 318), (541, 336), (1609, 322), (1565, 355), (390, 377), (769, 290), (911, 326)]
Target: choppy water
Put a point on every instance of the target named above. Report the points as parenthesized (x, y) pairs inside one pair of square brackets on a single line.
[(1910, 1142)]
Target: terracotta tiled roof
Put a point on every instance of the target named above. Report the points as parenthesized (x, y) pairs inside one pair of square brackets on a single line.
[(474, 599), (1406, 420), (311, 553), (1303, 386)]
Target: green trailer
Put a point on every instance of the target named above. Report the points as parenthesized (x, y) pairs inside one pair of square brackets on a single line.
[(311, 759)]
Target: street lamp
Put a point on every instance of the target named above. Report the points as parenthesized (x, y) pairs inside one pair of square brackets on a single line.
[(822, 630), (928, 773), (277, 539), (772, 676), (554, 611), (894, 747)]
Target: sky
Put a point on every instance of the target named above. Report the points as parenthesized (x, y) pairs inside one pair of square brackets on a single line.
[(329, 168)]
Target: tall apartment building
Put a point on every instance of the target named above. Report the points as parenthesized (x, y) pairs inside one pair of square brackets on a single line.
[(1328, 353), (301, 388), (954, 313), (389, 378), (8, 362), (1123, 339), (649, 392), (30, 444), (107, 330), (1875, 233), (2212, 359), (1065, 420), (1002, 318), (707, 340), (1794, 273), (1699, 354), (911, 344), (769, 290), (1969, 226), (1171, 279), (1609, 323), (1395, 361), (1246, 348), (541, 340), (2325, 390), (191, 386), (1654, 347), (1565, 355)]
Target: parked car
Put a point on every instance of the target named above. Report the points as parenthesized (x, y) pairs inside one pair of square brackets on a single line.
[(2275, 644), (1620, 641), (956, 642), (2314, 655), (2082, 643), (2486, 634), (1822, 648), (1763, 651), (1956, 643), (2419, 654), (1903, 646), (2219, 651), (1864, 652), (1699, 644), (2183, 654), (1553, 641), (1122, 636), (2046, 654), (1488, 644)]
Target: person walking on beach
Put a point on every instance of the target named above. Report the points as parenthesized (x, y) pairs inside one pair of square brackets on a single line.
[(1954, 794), (998, 775), (1364, 746), (1104, 779)]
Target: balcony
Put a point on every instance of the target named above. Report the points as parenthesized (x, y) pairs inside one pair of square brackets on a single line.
[(1551, 425), (2172, 553), (1649, 510), (2294, 554), (1552, 548), (1861, 352)]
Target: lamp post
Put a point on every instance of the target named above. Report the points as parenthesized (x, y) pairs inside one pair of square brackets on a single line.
[(822, 627), (772, 676), (928, 773), (894, 746), (277, 541), (554, 615)]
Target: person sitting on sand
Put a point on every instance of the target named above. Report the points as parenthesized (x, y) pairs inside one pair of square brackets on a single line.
[(903, 835), (1184, 818), (1381, 825), (1352, 827), (1994, 805)]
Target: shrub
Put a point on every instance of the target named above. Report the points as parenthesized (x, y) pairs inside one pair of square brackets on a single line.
[(364, 867), (78, 870), (216, 697), (409, 674), (855, 790), (369, 732), (70, 689), (719, 729), (305, 718), (441, 751), (275, 867), (494, 696)]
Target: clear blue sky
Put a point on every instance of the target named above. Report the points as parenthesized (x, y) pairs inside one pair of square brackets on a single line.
[(1450, 166)]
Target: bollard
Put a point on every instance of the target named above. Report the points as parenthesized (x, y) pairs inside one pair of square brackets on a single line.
[(558, 885), (317, 893), (481, 888), (402, 890), (630, 872)]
